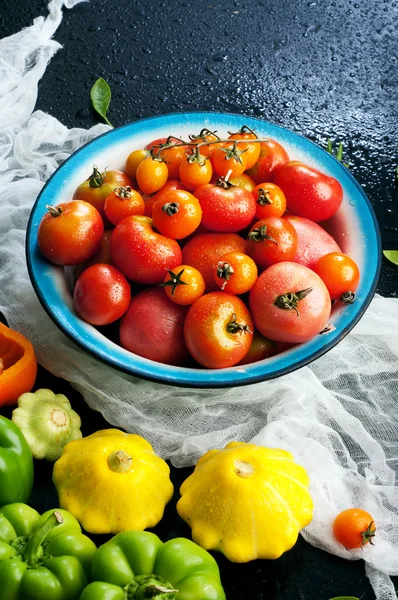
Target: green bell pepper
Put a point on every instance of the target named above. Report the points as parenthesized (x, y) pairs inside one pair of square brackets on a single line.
[(16, 464), (42, 557), (135, 565)]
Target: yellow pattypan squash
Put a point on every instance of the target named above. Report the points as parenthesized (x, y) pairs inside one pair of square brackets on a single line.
[(246, 501), (112, 481)]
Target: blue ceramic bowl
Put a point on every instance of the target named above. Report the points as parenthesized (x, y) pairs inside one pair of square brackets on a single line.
[(354, 227)]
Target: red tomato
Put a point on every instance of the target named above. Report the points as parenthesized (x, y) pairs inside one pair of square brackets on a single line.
[(70, 233), (340, 274), (176, 214), (252, 150), (218, 330), (123, 202), (235, 273), (101, 295), (195, 171), (151, 174), (184, 285), (260, 349), (354, 528), (225, 207), (102, 256), (229, 158), (270, 200), (153, 327), (313, 241), (309, 192), (142, 254), (205, 249), (272, 240), (289, 303), (98, 186), (272, 157)]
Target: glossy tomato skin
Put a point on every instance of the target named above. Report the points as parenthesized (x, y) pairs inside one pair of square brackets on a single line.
[(153, 327), (206, 332), (133, 160), (72, 236), (235, 273), (150, 199), (313, 241), (102, 256), (350, 524), (272, 157), (142, 254), (281, 324), (309, 192), (177, 214), (184, 284), (339, 272), (260, 349), (252, 150), (228, 209), (281, 247), (205, 249), (270, 200), (123, 202), (223, 164), (97, 188), (243, 181), (151, 175), (194, 174), (101, 295)]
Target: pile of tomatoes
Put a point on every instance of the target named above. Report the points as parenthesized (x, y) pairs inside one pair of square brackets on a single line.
[(206, 250)]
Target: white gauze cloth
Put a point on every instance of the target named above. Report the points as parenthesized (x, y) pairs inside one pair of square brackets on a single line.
[(338, 416)]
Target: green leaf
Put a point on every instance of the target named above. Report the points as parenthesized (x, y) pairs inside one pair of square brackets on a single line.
[(391, 255), (345, 598), (339, 153), (100, 95)]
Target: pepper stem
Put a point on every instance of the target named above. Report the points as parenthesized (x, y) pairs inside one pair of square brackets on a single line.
[(33, 550), (150, 586), (119, 461)]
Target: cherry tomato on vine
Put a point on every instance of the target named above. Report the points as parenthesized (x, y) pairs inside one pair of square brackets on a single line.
[(235, 273), (101, 295), (272, 240), (218, 330), (272, 157), (243, 181), (354, 528), (270, 200), (184, 285), (141, 253), (98, 186), (229, 158), (205, 249), (260, 349), (152, 174), (252, 150), (289, 303), (123, 202), (205, 136), (176, 214), (309, 193), (225, 207), (195, 170), (133, 160), (70, 233), (340, 274), (172, 156)]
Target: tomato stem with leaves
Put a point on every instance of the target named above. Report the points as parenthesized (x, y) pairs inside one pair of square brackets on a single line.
[(234, 327), (55, 211), (259, 234), (96, 178), (290, 300), (368, 534), (348, 297), (244, 129), (123, 192), (174, 281), (264, 197)]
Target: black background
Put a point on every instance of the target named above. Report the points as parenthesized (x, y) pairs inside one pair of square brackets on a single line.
[(325, 69)]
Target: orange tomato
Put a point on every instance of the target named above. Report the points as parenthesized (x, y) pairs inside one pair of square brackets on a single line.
[(354, 528), (150, 199), (133, 160), (270, 200), (243, 181), (260, 349), (205, 136), (184, 285), (195, 171), (177, 214), (235, 273), (252, 151), (229, 158), (340, 274), (152, 174), (272, 157), (18, 365), (123, 202), (98, 186)]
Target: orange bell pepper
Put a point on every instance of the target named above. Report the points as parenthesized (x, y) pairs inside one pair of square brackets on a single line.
[(18, 365)]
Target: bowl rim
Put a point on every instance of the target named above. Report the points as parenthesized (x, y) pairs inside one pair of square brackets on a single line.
[(177, 379)]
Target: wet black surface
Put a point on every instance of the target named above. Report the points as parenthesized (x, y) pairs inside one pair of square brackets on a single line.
[(325, 69)]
